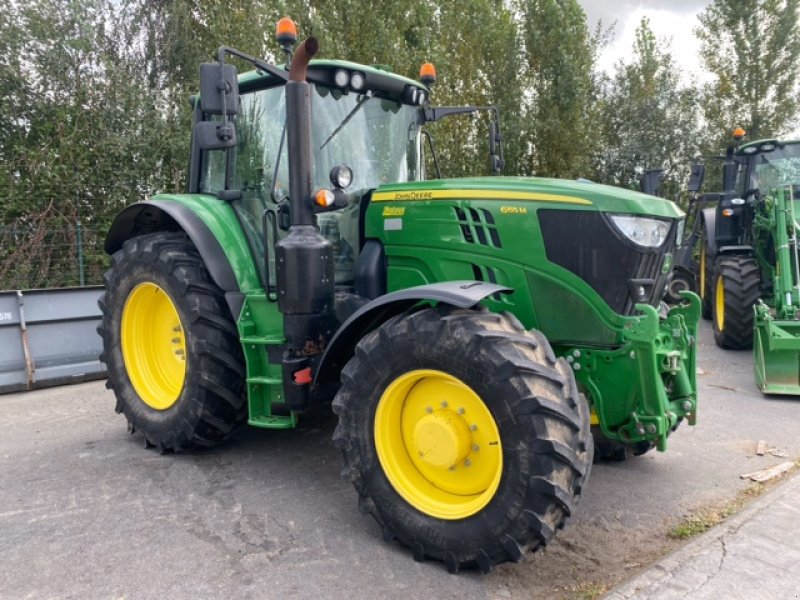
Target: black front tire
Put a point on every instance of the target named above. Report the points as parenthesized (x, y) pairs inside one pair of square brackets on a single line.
[(739, 280), (606, 449), (211, 406), (543, 426), (681, 281)]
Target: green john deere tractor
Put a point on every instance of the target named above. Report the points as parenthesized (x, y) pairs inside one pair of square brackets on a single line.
[(750, 282), (469, 333)]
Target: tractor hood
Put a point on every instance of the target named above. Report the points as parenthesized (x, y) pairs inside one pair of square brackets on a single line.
[(603, 198)]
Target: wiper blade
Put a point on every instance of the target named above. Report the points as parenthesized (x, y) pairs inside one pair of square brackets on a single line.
[(361, 102)]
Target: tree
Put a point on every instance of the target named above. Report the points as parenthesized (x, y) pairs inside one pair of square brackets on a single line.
[(752, 50), (478, 62), (648, 120), (559, 55)]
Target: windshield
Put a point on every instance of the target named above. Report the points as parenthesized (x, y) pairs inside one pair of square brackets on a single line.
[(777, 168), (374, 137)]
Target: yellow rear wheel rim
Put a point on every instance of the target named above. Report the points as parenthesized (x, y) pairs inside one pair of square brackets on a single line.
[(438, 444), (719, 298), (153, 346)]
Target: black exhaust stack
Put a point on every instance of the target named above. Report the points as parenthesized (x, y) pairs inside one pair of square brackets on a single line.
[(304, 258)]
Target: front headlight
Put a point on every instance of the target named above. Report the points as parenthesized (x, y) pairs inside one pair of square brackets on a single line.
[(649, 233)]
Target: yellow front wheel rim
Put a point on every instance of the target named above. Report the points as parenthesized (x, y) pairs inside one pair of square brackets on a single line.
[(153, 346), (719, 298), (438, 444)]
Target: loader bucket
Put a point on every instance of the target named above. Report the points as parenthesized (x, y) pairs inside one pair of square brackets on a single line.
[(776, 354)]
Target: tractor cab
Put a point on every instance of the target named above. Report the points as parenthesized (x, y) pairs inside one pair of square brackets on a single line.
[(366, 131), (766, 165), (365, 127)]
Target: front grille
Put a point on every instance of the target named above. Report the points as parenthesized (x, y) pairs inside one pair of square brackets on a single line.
[(587, 244)]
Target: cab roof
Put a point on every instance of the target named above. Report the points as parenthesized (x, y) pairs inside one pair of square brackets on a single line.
[(384, 83)]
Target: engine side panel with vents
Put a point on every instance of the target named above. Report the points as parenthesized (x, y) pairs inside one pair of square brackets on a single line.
[(570, 271)]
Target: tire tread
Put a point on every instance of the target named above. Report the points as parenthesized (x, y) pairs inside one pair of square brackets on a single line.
[(555, 419), (212, 407)]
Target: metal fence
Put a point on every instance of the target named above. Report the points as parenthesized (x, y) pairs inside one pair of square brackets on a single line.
[(48, 336), (33, 256)]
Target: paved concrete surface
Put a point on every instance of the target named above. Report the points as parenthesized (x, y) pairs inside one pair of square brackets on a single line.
[(753, 555), (86, 512)]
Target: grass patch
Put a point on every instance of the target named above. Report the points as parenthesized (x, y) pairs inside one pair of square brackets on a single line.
[(588, 590), (706, 518), (701, 521)]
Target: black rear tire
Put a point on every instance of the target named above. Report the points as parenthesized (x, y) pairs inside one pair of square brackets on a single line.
[(211, 405), (543, 427), (739, 279)]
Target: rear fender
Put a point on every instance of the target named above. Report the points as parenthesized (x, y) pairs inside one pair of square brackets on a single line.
[(143, 218)]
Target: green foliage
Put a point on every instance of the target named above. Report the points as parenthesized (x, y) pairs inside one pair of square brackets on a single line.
[(94, 111), (648, 119), (74, 118), (752, 50), (559, 56), (478, 63)]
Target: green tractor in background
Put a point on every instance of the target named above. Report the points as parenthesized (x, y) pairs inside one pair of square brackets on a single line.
[(749, 278), (469, 333)]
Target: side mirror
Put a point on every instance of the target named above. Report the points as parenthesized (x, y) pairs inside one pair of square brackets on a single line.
[(495, 148), (650, 182), (215, 135), (696, 177), (218, 84)]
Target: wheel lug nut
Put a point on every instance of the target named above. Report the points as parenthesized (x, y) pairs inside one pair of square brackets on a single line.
[(176, 340), (473, 428), (467, 462), (177, 329), (428, 409), (475, 447), (461, 411), (444, 404), (179, 352)]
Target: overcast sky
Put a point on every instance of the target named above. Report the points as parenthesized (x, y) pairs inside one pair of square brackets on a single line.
[(672, 20)]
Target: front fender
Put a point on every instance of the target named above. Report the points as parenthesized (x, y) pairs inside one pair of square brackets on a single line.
[(709, 216), (461, 294)]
